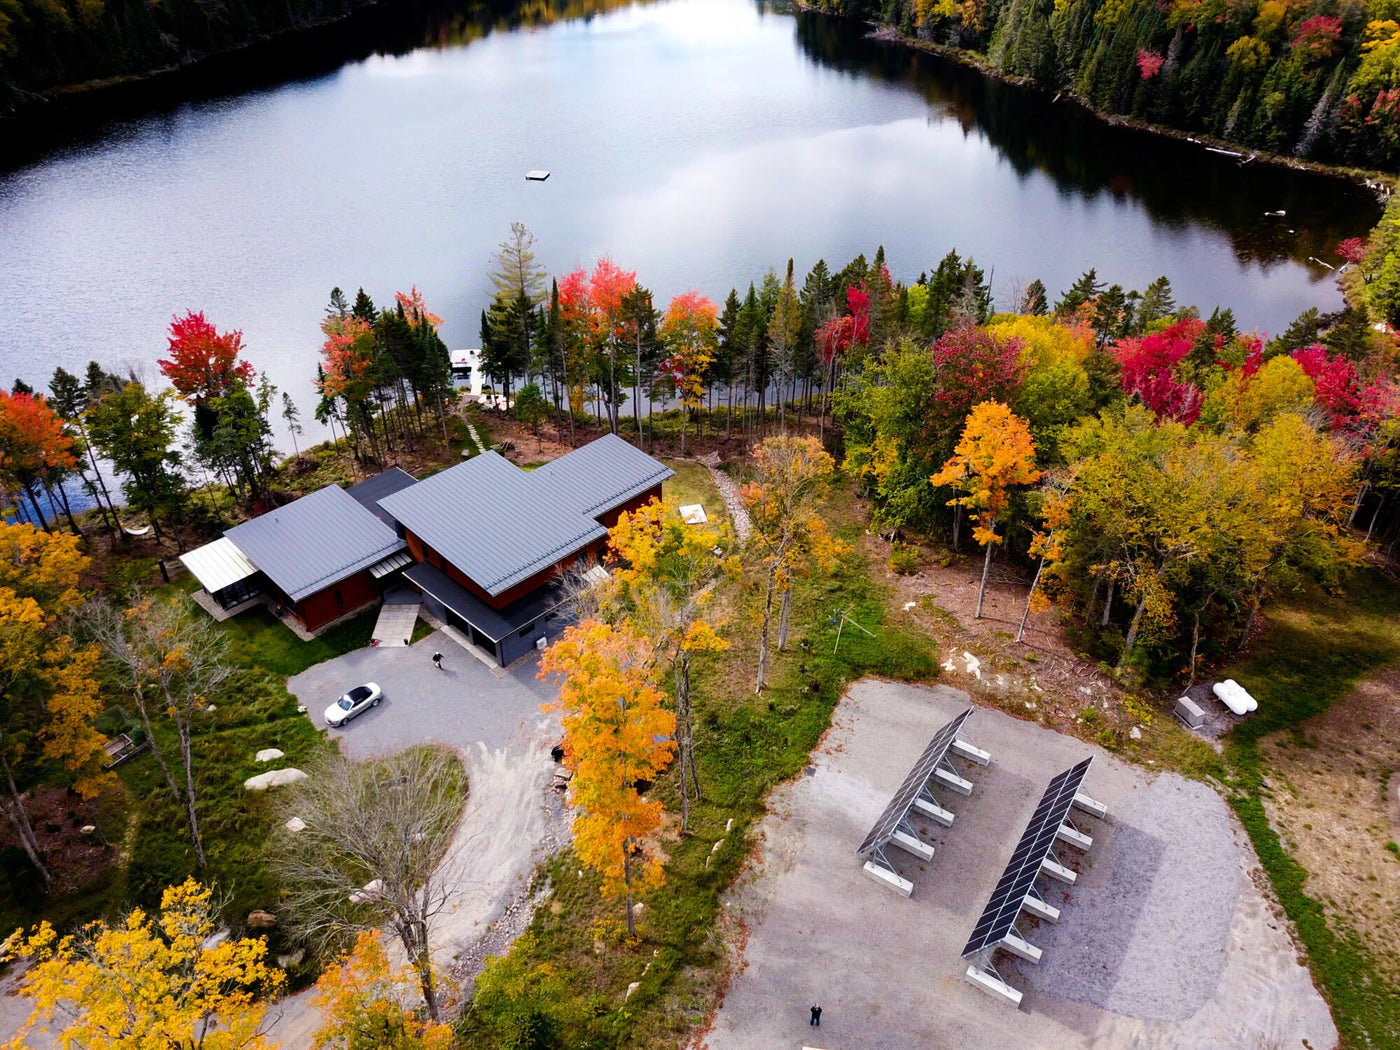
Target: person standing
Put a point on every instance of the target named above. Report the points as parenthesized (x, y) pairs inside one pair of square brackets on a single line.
[(437, 660), (816, 1020)]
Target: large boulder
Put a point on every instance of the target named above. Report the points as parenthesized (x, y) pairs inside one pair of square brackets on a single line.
[(371, 891), (273, 778)]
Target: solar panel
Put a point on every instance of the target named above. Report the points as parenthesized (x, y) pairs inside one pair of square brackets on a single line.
[(1021, 871), (898, 808)]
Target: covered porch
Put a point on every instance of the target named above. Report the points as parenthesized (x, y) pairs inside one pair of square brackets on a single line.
[(231, 582), (504, 634)]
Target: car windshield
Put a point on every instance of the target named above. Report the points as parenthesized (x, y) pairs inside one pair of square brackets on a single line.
[(344, 703)]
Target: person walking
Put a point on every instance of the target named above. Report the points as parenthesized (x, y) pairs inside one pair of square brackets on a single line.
[(437, 660), (816, 1020)]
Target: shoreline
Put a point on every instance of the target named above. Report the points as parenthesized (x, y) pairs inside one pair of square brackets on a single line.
[(1380, 183)]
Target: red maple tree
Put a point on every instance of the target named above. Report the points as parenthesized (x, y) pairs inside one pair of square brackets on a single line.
[(203, 362)]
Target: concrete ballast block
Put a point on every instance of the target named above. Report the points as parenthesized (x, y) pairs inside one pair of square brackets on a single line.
[(953, 781), (963, 749), (1074, 837), (934, 811), (1041, 910), (909, 844), (992, 986), (1057, 871), (1023, 949), (888, 879)]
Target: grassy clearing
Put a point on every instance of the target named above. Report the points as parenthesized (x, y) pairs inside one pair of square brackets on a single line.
[(745, 744), (1315, 652), (693, 484)]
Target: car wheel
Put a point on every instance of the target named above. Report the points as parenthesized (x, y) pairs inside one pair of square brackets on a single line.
[(375, 702)]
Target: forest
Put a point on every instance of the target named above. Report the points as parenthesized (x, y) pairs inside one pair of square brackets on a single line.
[(47, 46), (1315, 79)]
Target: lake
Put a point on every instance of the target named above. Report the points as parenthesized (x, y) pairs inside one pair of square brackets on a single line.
[(699, 142)]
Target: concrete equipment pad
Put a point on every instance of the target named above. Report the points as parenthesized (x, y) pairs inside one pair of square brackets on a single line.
[(1163, 941)]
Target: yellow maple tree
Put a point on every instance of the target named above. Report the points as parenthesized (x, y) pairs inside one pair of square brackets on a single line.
[(790, 475), (616, 733), (44, 677), (151, 982), (362, 998), (661, 585), (994, 453)]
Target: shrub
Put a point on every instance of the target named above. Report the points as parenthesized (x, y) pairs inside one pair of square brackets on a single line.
[(902, 561)]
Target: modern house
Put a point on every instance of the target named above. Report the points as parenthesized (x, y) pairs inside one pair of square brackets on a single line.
[(484, 541), (490, 540), (318, 557)]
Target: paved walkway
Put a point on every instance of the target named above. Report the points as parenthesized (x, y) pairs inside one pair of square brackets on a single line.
[(395, 624)]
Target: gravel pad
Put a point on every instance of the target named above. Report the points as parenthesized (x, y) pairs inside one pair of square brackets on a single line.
[(1145, 931)]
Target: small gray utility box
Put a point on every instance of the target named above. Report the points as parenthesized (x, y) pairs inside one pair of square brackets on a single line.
[(1190, 713)]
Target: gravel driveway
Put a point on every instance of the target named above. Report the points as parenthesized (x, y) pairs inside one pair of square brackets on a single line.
[(513, 819)]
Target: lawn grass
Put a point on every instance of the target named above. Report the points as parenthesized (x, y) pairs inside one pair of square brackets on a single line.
[(693, 484), (259, 639), (745, 745), (254, 713), (1316, 651)]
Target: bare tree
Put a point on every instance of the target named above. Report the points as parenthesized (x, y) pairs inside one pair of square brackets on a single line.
[(174, 661), (376, 839)]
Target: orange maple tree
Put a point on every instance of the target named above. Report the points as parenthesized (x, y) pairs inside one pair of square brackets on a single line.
[(363, 997), (616, 733), (994, 453), (661, 585), (35, 447)]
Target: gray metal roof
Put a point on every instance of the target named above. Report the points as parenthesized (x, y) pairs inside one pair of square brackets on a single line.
[(488, 518), (601, 475), (218, 565), (370, 491), (315, 541)]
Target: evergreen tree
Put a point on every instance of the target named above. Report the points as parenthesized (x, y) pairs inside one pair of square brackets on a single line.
[(1087, 288), (1033, 299), (1157, 303)]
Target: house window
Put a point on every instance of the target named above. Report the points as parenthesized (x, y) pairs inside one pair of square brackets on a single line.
[(339, 599), (527, 629)]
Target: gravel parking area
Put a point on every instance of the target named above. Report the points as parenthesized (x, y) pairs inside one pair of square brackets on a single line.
[(1165, 941)]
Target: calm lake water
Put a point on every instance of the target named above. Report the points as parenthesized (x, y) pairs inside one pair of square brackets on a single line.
[(698, 141)]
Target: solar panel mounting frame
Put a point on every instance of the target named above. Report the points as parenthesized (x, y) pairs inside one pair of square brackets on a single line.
[(895, 817), (1017, 882)]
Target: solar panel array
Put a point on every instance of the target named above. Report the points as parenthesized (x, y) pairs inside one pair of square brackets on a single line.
[(914, 783), (1021, 871)]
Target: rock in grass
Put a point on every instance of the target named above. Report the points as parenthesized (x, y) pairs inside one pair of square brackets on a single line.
[(267, 754), (295, 824), (273, 778), (261, 920)]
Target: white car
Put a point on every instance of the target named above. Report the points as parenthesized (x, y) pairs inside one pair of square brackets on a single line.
[(352, 703)]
